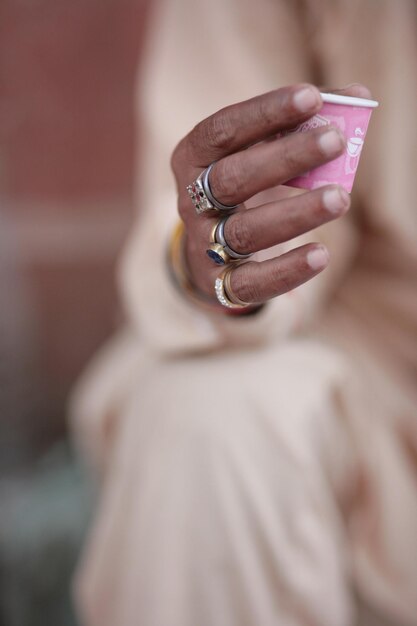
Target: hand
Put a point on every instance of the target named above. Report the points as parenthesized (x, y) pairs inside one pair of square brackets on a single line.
[(249, 159)]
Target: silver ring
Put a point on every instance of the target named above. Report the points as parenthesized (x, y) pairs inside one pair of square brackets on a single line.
[(222, 241), (202, 197), (216, 251), (198, 196), (207, 189)]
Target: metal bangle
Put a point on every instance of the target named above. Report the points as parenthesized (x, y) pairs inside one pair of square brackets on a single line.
[(178, 272)]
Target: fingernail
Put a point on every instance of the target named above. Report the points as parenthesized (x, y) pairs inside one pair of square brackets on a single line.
[(331, 142), (318, 258), (336, 200), (305, 99)]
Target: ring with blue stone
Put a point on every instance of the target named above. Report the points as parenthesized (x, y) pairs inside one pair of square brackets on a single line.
[(219, 251), (218, 254), (216, 251)]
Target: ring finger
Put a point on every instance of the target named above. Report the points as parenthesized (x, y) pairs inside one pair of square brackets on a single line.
[(275, 222)]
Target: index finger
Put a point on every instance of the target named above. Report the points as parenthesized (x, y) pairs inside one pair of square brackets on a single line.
[(240, 125)]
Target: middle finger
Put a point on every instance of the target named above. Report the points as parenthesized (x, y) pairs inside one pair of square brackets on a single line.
[(240, 176)]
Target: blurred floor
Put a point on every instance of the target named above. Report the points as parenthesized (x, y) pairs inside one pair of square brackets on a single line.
[(43, 519)]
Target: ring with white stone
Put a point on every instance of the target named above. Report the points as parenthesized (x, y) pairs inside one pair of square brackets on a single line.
[(224, 293)]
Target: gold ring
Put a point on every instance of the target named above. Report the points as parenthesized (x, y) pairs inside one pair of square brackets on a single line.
[(229, 291), (216, 252), (224, 293)]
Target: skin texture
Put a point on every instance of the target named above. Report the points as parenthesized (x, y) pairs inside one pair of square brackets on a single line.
[(250, 159)]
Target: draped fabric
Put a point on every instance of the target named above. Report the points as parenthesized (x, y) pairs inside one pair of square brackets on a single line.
[(263, 470)]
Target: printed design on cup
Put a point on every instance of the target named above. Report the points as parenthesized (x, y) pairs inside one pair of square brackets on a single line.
[(314, 122), (354, 149)]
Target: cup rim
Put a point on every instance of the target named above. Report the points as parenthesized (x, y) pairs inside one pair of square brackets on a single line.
[(333, 98)]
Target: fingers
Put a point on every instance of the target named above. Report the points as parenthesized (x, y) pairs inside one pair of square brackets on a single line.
[(276, 222), (240, 176), (240, 125), (249, 158), (263, 227), (357, 90), (257, 282)]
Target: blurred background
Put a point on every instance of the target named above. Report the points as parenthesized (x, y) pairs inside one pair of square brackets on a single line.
[(67, 73), (68, 70)]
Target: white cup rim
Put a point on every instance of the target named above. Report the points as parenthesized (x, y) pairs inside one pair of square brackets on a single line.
[(333, 98)]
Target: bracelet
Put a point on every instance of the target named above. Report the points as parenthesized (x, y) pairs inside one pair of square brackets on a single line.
[(178, 272)]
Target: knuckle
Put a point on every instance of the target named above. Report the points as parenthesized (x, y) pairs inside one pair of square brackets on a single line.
[(245, 287), (180, 159), (215, 132), (175, 157), (238, 235), (218, 132)]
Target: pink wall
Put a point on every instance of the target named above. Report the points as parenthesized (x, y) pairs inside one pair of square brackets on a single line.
[(66, 159)]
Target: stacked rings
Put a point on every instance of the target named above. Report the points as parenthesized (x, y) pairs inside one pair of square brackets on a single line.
[(206, 184), (219, 251), (202, 197), (220, 238)]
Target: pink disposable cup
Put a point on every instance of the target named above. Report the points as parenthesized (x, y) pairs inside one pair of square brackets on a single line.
[(352, 116)]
